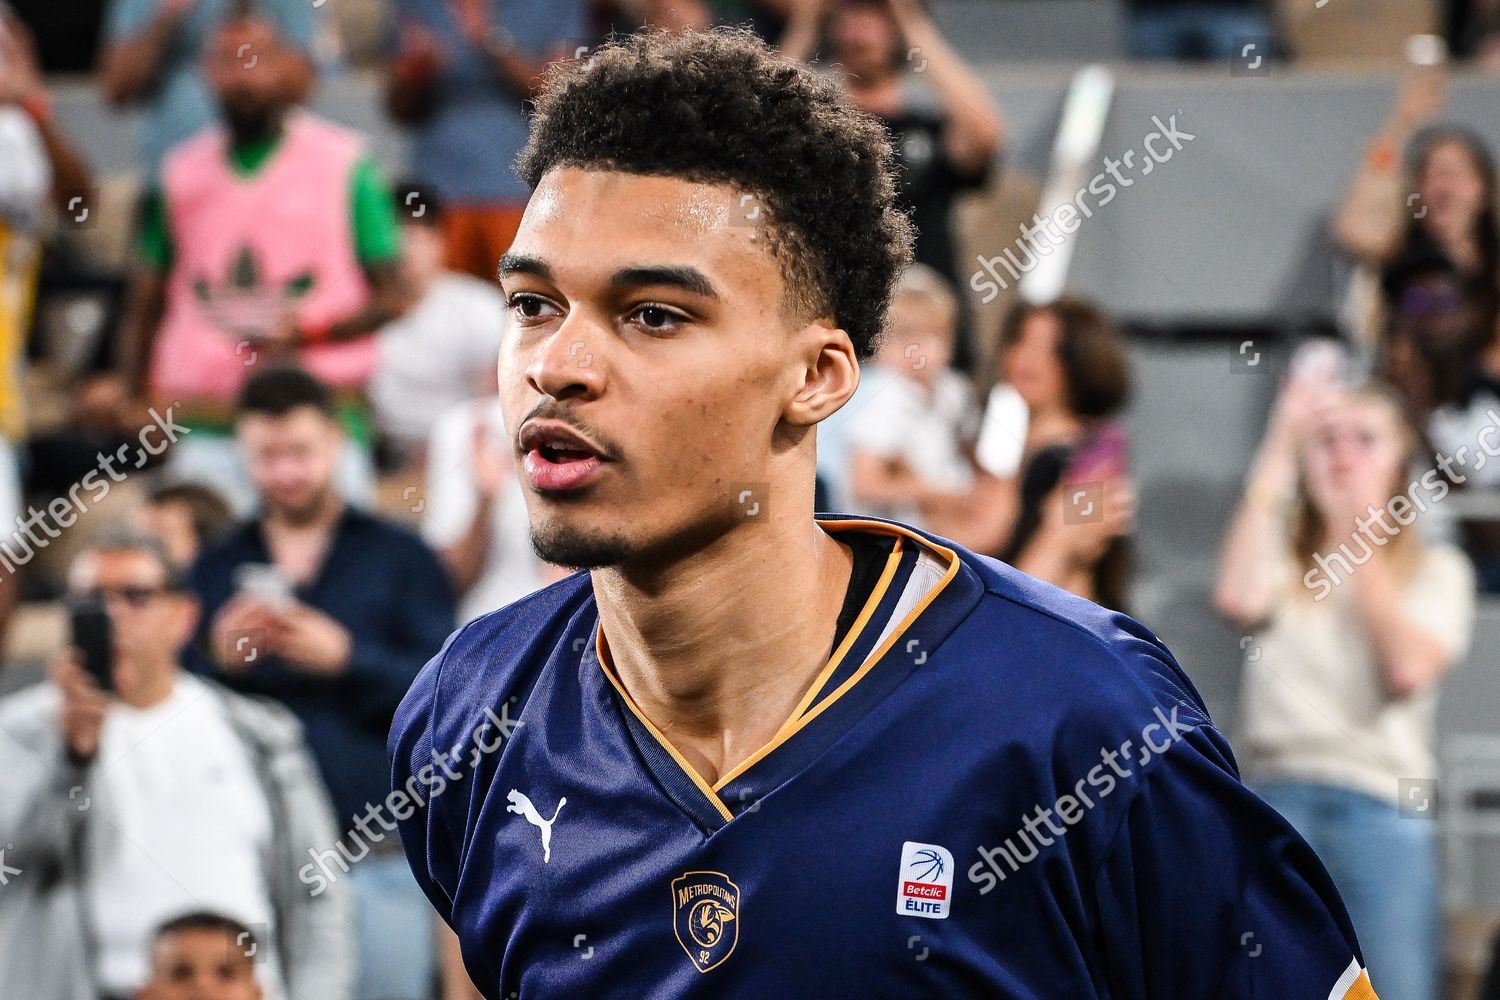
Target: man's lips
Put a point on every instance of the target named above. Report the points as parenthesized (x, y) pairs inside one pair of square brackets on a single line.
[(557, 457), (560, 471)]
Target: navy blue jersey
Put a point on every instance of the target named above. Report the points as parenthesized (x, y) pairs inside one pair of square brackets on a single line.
[(993, 789)]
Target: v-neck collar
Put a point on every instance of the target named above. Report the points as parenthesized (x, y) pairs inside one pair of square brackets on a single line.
[(336, 534), (843, 692)]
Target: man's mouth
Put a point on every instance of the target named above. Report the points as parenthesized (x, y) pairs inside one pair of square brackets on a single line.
[(558, 458)]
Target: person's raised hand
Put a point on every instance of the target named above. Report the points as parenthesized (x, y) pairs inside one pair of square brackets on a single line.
[(84, 705)]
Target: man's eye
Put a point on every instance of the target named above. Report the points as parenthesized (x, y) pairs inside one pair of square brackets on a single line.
[(656, 317), (528, 306)]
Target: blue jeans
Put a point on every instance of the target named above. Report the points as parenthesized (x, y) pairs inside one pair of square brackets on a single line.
[(394, 926), (1386, 867), (1194, 31)]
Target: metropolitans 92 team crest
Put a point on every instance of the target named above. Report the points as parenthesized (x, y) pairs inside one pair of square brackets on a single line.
[(706, 916)]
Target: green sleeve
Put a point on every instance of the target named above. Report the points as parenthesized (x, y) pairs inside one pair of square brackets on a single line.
[(377, 235), (155, 241)]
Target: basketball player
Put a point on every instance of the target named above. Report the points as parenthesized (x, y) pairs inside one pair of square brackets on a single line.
[(751, 753)]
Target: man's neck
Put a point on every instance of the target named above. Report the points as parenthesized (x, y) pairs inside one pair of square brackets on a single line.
[(717, 649), (318, 519), (152, 692), (300, 544), (255, 134)]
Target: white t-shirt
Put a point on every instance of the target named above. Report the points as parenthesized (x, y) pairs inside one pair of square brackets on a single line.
[(1314, 703), (178, 822), (25, 174), (926, 427), (511, 568), (442, 352)]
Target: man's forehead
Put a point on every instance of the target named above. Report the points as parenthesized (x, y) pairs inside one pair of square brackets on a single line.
[(96, 563), (576, 203)]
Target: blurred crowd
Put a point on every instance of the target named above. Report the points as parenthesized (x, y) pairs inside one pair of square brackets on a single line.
[(306, 337)]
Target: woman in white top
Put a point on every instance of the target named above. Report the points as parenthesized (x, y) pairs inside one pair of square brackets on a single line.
[(1353, 621)]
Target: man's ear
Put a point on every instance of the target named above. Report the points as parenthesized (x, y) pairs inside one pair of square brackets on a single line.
[(188, 613), (829, 373)]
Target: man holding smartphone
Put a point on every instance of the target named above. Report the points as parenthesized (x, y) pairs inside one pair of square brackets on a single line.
[(332, 611), (155, 793)]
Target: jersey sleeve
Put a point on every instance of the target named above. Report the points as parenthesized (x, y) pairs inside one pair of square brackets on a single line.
[(377, 235), (154, 243), (1207, 891), (419, 773)]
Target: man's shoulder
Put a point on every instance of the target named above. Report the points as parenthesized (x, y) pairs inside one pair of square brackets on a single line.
[(382, 533), (1073, 665), (265, 721), (188, 159), (30, 712), (228, 549), (329, 133), (495, 657)]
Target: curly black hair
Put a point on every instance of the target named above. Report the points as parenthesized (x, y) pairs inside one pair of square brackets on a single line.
[(720, 106)]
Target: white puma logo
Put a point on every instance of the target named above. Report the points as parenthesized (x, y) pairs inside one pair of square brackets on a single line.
[(522, 806)]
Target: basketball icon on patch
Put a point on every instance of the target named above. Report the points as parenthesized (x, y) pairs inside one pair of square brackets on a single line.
[(706, 916), (924, 886)]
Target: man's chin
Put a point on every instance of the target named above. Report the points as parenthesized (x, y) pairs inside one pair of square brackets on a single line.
[(579, 548), (297, 510)]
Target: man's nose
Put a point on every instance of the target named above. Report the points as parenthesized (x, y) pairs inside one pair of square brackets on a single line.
[(568, 364)]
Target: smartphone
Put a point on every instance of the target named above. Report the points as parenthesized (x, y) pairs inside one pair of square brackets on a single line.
[(94, 637), (1102, 455), (1426, 50), (266, 582)]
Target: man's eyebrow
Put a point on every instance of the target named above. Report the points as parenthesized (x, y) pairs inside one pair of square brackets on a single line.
[(689, 279), (515, 263)]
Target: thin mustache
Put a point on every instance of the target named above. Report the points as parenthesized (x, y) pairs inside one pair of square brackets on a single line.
[(552, 411)]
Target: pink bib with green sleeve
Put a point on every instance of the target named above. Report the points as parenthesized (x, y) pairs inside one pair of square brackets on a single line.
[(249, 249)]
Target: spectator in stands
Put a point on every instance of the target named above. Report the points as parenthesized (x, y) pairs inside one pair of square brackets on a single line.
[(1354, 618), (331, 611), (474, 513), (164, 793), (460, 77), (1075, 506), (1441, 355), (39, 167), (1439, 350), (911, 433), (1195, 29), (274, 234), (443, 351), (186, 517), (153, 58), (944, 147), (203, 956), (1440, 203)]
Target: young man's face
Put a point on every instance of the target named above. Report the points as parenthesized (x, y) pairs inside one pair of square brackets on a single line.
[(649, 317), (292, 458), (200, 965)]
